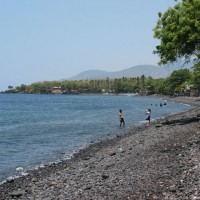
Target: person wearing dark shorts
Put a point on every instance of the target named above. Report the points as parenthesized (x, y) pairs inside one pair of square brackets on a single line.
[(121, 118), (148, 112)]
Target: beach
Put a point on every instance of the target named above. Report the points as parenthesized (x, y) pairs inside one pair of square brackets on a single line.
[(161, 161)]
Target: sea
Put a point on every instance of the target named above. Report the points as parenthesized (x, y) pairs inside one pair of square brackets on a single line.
[(37, 130)]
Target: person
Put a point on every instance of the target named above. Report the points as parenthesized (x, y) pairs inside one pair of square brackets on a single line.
[(121, 118), (148, 112)]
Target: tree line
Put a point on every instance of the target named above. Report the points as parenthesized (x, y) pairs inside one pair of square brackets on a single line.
[(179, 81)]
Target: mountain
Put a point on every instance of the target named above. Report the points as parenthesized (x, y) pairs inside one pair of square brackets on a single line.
[(139, 70), (90, 74)]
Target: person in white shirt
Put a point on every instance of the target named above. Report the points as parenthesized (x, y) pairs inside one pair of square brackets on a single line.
[(148, 112)]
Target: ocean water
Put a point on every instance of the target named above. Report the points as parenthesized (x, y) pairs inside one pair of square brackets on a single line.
[(39, 129)]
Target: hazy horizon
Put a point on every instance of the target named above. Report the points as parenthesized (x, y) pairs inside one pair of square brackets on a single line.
[(52, 40)]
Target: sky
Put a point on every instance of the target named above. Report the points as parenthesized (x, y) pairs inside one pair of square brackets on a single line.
[(46, 40)]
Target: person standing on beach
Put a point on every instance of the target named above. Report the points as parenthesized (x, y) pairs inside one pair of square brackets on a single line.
[(148, 112), (121, 118)]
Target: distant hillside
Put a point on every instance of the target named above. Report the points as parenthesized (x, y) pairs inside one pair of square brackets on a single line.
[(139, 70), (90, 74)]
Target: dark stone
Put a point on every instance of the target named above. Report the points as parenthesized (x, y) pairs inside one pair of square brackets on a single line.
[(88, 187), (10, 181), (172, 188), (85, 158), (112, 153), (158, 125), (105, 176)]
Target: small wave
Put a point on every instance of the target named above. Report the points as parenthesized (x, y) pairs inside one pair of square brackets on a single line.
[(19, 169), (41, 166), (185, 104), (142, 122), (12, 177), (69, 156), (21, 172)]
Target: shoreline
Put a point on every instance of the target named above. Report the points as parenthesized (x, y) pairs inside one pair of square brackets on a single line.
[(119, 168), (23, 171)]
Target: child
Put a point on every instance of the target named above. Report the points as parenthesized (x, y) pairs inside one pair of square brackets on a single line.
[(148, 112)]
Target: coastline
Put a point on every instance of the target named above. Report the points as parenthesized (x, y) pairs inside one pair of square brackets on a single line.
[(156, 162)]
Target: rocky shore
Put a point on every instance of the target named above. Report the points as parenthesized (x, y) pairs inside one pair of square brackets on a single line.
[(157, 162)]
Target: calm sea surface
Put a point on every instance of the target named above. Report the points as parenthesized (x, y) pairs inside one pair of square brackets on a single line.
[(39, 129)]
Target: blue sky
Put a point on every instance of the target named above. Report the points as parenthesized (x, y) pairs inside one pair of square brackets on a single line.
[(55, 39)]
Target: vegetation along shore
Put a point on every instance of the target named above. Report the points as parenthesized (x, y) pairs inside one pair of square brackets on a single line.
[(180, 82), (156, 162)]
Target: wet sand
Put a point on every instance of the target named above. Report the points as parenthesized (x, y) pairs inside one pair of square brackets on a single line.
[(157, 162)]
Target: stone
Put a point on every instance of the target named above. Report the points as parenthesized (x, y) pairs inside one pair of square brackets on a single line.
[(33, 180), (105, 176), (17, 193), (172, 188), (88, 187), (109, 165), (112, 153), (158, 125), (85, 158)]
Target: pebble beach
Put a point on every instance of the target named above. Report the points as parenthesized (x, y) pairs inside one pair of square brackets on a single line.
[(161, 161)]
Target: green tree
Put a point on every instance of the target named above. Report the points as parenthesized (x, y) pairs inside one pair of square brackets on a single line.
[(196, 75), (178, 78), (178, 30), (142, 82), (10, 87), (161, 86), (150, 84)]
